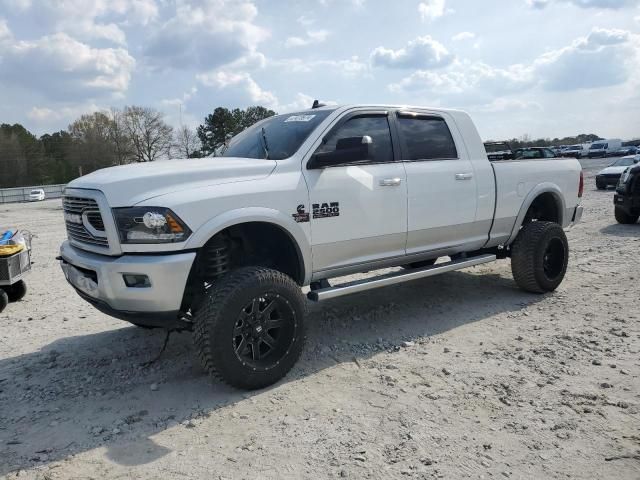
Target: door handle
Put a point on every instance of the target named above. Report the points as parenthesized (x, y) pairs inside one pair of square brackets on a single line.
[(390, 182), (464, 176)]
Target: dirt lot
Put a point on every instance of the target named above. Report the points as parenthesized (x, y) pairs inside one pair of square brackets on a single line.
[(458, 376)]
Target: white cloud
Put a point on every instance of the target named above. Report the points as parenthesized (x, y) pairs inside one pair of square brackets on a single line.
[(312, 37), (431, 9), (205, 34), (64, 67), (186, 96), (604, 4), (5, 32), (350, 67), (242, 83), (601, 59), (423, 52), (46, 115), (95, 19), (459, 37)]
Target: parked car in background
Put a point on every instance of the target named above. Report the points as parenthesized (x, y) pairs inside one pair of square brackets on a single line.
[(575, 151), (627, 197), (534, 152), (36, 195), (628, 150), (611, 174), (603, 148), (498, 151)]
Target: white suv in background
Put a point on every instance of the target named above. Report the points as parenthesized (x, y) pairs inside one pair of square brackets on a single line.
[(36, 195)]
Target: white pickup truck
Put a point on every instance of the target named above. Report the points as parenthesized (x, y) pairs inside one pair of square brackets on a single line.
[(223, 246)]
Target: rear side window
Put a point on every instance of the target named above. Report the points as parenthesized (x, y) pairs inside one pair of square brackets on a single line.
[(426, 138)]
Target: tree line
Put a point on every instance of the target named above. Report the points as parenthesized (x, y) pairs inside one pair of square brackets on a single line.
[(114, 137)]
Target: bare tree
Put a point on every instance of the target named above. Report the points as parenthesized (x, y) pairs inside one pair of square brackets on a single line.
[(122, 145), (187, 142), (150, 135)]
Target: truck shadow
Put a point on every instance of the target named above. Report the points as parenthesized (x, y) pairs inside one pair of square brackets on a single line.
[(619, 230), (89, 391)]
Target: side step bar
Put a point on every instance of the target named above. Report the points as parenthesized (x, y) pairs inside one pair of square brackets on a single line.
[(396, 277)]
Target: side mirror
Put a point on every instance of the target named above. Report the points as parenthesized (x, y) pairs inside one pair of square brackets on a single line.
[(348, 150)]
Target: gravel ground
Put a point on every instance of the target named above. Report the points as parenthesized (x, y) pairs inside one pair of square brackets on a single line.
[(457, 376)]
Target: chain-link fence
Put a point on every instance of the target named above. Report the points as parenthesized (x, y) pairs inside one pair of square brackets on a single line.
[(21, 194)]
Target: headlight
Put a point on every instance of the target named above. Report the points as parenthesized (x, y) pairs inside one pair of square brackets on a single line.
[(149, 225)]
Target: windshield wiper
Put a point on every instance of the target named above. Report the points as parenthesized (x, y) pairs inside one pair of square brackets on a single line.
[(264, 143)]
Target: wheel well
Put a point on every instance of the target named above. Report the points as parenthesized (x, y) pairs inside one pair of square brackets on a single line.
[(544, 208), (260, 244)]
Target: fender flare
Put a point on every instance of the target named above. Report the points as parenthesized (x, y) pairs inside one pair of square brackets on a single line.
[(534, 193), (263, 215)]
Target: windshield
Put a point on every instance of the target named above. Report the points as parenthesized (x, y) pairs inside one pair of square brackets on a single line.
[(35, 192), (597, 146), (623, 162), (281, 135)]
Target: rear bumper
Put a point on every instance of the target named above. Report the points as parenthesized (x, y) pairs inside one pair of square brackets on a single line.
[(629, 204), (99, 279), (577, 214), (607, 179)]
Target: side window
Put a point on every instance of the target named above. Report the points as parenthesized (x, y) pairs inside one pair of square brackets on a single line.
[(374, 126), (548, 153), (426, 138)]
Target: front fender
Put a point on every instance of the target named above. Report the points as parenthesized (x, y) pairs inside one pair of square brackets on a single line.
[(546, 187), (256, 214)]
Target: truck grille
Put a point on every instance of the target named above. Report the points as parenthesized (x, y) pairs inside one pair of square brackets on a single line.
[(77, 212)]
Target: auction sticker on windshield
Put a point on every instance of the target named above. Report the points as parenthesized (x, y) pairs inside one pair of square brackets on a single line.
[(300, 118)]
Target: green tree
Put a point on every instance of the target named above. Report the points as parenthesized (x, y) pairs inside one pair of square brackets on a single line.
[(222, 123)]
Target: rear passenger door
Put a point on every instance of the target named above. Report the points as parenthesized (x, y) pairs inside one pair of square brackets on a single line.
[(442, 193)]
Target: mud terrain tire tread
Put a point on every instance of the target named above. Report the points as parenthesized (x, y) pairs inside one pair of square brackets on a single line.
[(527, 255), (624, 218), (218, 308)]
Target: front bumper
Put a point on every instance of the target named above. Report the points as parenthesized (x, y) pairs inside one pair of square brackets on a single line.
[(99, 280)]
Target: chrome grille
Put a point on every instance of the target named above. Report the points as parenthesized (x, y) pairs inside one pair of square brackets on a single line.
[(84, 207)]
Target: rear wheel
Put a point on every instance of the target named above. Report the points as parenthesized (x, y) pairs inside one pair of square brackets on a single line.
[(250, 329), (17, 291), (539, 257), (623, 217), (4, 300)]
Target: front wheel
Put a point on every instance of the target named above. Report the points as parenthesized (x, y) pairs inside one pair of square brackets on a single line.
[(623, 217), (250, 328), (539, 257)]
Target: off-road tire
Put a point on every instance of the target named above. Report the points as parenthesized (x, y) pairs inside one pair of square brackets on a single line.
[(4, 300), (421, 264), (623, 217), (17, 291), (216, 319), (530, 265)]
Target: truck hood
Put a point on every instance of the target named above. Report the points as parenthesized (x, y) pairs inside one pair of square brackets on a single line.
[(610, 170), (128, 185)]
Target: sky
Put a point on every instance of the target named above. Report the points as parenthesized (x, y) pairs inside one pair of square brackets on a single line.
[(543, 68)]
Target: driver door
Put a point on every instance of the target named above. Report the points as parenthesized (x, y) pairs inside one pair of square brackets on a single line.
[(358, 205)]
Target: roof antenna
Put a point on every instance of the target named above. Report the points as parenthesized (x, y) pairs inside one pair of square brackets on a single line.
[(317, 104)]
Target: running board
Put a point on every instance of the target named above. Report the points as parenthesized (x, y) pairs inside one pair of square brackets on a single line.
[(396, 277)]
